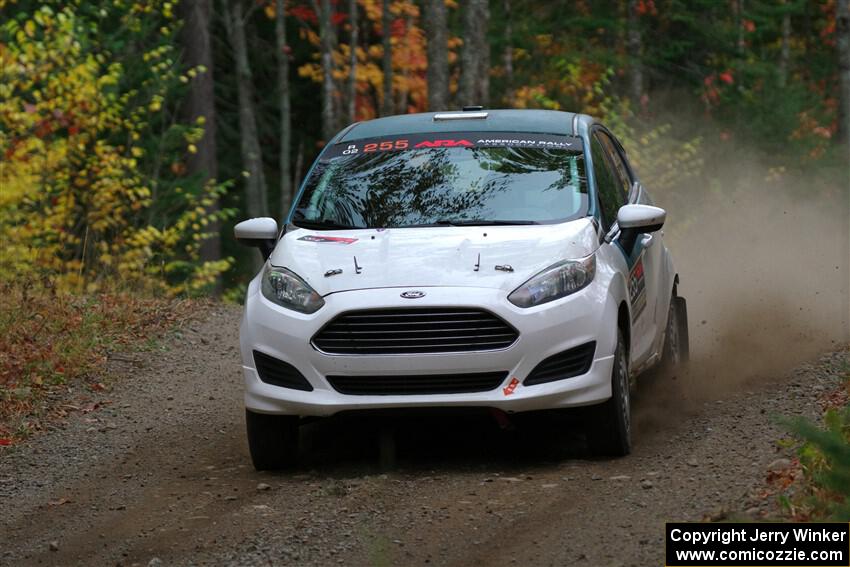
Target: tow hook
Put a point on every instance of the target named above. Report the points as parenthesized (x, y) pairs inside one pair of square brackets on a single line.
[(503, 420)]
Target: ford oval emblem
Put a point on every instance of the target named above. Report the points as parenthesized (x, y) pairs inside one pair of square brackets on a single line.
[(413, 294)]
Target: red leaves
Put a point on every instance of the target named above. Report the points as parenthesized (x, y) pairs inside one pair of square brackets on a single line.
[(304, 14), (645, 7), (338, 18), (782, 478), (5, 442), (398, 28), (43, 128), (713, 84)]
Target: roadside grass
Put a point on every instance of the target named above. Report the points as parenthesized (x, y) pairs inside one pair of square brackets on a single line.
[(824, 460), (53, 343)]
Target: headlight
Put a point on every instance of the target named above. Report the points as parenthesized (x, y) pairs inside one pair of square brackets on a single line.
[(555, 282), (288, 290)]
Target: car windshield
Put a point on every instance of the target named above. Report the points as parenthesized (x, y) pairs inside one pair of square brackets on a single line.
[(416, 185)]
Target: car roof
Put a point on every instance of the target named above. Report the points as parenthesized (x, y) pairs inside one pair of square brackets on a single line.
[(513, 120)]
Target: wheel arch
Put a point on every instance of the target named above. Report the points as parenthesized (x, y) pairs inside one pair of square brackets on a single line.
[(617, 313)]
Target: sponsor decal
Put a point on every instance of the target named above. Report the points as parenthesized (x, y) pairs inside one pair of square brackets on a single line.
[(509, 389), (637, 288), (518, 142), (445, 144), (328, 239), (457, 140)]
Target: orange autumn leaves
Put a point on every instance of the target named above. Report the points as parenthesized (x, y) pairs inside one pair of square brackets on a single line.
[(409, 63)]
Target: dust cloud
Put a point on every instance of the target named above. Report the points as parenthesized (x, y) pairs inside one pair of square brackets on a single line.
[(763, 259)]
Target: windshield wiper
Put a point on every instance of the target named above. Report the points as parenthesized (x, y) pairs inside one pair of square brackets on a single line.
[(479, 222), (321, 224)]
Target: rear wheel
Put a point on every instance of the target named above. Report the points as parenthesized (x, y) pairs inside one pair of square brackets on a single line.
[(676, 341), (609, 427), (272, 440)]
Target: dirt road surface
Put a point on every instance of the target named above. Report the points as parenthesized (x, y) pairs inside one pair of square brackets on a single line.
[(159, 474)]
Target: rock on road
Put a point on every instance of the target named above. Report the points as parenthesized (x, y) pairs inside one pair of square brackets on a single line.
[(160, 475)]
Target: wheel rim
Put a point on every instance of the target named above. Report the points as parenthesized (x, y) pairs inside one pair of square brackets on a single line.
[(622, 377)]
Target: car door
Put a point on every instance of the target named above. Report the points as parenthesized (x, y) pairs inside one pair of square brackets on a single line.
[(644, 261)]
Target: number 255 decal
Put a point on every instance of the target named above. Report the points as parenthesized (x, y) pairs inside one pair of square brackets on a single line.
[(385, 146)]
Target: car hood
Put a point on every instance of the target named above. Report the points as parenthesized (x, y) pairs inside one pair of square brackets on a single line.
[(430, 256)]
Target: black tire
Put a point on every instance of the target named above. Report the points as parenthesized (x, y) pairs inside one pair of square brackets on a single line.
[(609, 426), (677, 348), (685, 341), (272, 440)]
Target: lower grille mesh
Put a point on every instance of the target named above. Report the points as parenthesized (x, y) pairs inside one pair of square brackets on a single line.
[(409, 385), (573, 362)]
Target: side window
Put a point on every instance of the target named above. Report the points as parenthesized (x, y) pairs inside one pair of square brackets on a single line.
[(623, 177), (607, 185)]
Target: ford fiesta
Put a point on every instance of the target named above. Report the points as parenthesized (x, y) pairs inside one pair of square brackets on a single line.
[(507, 259)]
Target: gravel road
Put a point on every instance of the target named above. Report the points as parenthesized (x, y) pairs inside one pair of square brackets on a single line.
[(159, 474)]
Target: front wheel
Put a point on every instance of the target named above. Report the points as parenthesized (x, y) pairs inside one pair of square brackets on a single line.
[(272, 440), (609, 427), (676, 341)]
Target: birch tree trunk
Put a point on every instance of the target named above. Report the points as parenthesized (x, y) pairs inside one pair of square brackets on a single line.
[(740, 44), (436, 25), (386, 25), (329, 119), (842, 32), (785, 49), (474, 85), (256, 198), (635, 48), (285, 108), (483, 94), (352, 62), (468, 57), (508, 55), (200, 103)]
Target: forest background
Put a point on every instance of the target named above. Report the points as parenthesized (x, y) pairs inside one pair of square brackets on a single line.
[(134, 134)]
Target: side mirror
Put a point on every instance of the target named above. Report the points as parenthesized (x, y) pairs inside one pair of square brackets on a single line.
[(260, 233), (637, 219), (644, 218)]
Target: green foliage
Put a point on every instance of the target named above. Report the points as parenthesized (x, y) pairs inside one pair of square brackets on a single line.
[(825, 458), (664, 162), (92, 150)]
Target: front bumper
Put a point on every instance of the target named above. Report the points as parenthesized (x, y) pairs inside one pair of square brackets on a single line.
[(543, 331)]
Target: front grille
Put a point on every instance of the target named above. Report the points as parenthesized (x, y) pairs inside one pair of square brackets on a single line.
[(414, 331), (567, 364), (279, 373), (409, 385)]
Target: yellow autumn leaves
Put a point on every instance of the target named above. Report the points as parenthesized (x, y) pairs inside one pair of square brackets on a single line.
[(77, 190)]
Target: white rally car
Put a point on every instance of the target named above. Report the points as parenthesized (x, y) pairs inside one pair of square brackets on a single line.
[(507, 259)]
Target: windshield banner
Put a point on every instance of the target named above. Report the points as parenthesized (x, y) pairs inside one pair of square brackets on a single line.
[(453, 140)]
